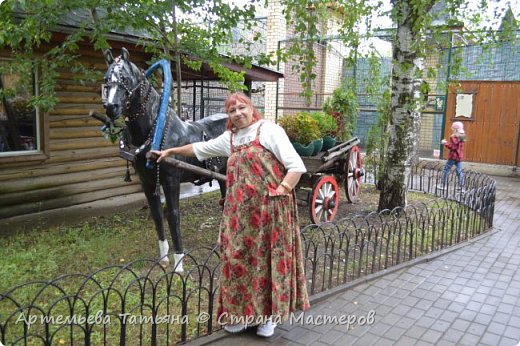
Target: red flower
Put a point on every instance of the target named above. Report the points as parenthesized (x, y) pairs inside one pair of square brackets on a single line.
[(253, 261), (249, 241), (283, 266), (284, 298), (230, 180), (242, 289), (275, 235), (238, 270), (224, 241), (248, 310), (254, 219), (276, 171), (250, 190), (239, 195), (263, 283), (268, 310), (256, 285), (237, 255), (266, 218), (256, 169), (227, 270), (233, 223), (272, 185)]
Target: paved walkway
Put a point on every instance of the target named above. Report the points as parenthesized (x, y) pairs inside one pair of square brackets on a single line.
[(468, 296)]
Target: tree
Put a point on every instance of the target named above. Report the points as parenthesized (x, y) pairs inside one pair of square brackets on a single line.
[(419, 26), (408, 65), (187, 30)]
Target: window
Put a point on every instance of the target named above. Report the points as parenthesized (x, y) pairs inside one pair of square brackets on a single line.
[(19, 121)]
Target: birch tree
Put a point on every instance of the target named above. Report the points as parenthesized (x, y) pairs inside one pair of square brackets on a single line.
[(405, 121)]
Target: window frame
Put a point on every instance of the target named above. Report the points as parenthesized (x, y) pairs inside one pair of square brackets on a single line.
[(41, 152)]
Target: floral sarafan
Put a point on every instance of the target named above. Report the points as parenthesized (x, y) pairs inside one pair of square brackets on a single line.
[(260, 245)]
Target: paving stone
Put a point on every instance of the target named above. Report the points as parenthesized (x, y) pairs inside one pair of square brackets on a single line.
[(490, 339), (512, 332), (330, 337), (496, 328), (469, 340), (395, 333), (415, 332), (477, 328), (460, 325), (508, 341), (453, 335)]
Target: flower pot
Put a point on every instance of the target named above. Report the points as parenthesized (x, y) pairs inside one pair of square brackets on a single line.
[(318, 144), (328, 142), (304, 150)]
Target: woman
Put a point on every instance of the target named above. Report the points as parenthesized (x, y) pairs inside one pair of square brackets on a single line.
[(262, 278)]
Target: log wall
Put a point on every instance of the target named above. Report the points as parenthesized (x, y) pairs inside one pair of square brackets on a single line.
[(79, 164)]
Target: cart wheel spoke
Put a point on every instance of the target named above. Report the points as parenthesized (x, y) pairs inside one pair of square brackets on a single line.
[(324, 199), (354, 172)]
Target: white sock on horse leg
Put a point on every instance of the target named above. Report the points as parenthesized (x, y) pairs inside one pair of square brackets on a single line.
[(178, 262), (163, 252)]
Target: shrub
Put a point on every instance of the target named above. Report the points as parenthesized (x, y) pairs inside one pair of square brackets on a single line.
[(301, 128), (326, 122)]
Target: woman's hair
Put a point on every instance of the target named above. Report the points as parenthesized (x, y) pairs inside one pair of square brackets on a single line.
[(240, 97)]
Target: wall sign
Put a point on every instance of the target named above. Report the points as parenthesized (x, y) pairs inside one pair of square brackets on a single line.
[(464, 106)]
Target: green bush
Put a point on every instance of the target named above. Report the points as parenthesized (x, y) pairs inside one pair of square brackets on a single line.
[(326, 122), (343, 106), (300, 127)]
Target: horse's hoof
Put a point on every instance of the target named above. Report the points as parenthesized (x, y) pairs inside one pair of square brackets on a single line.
[(178, 262), (165, 262)]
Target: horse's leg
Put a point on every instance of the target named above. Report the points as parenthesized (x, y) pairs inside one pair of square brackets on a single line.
[(172, 186), (154, 203), (222, 186)]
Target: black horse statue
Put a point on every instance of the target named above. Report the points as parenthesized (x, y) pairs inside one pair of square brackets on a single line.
[(128, 92)]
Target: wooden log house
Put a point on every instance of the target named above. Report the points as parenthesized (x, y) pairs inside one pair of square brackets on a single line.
[(73, 163)]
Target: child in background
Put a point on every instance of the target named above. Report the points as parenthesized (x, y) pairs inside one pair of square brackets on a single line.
[(455, 145)]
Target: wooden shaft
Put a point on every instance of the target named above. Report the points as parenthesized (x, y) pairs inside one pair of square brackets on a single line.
[(194, 169)]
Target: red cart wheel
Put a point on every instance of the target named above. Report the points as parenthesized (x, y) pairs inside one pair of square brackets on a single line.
[(354, 171), (324, 200)]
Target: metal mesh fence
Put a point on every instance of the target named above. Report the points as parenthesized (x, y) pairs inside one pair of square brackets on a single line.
[(454, 58)]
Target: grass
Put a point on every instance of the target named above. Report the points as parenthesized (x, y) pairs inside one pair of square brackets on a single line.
[(44, 253), (83, 247)]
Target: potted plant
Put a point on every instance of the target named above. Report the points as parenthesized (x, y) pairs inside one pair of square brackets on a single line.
[(328, 128), (302, 131)]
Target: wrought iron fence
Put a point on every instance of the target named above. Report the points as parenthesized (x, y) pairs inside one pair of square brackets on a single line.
[(143, 303)]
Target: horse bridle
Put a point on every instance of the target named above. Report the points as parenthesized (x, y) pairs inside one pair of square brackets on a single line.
[(129, 92)]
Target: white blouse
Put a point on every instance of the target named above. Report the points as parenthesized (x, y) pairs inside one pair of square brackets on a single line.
[(272, 137)]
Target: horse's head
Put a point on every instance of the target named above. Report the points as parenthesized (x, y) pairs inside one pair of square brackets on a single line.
[(122, 79)]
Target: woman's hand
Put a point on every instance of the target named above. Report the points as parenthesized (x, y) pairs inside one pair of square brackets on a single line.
[(158, 156), (444, 141)]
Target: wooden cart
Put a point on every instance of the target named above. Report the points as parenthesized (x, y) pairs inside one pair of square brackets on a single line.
[(319, 186)]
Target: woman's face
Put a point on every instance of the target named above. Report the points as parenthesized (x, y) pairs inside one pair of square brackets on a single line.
[(241, 115)]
